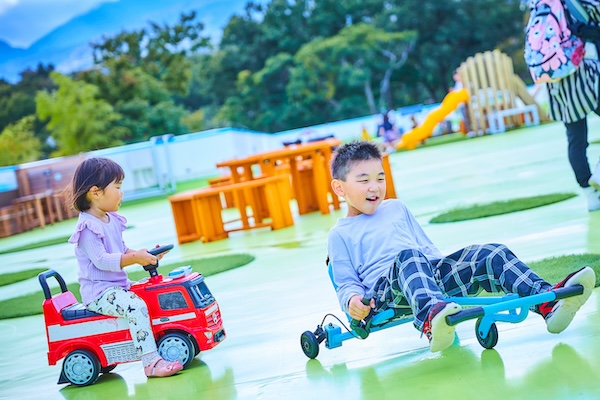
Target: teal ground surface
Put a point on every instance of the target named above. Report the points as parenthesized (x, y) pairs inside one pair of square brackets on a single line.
[(267, 304)]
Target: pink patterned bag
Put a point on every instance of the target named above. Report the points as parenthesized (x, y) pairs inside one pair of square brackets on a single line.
[(551, 51)]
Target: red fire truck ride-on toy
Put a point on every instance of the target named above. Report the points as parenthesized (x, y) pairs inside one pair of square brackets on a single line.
[(185, 318)]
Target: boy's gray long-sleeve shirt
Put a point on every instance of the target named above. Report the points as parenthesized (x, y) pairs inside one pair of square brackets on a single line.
[(361, 249)]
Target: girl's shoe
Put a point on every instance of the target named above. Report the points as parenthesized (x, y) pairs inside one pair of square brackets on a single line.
[(162, 368)]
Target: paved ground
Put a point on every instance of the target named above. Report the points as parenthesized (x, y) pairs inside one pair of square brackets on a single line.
[(267, 304)]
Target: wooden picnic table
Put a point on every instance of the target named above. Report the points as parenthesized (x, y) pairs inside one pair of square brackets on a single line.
[(197, 213), (37, 210), (308, 169)]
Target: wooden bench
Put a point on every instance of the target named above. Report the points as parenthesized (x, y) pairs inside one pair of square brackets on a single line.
[(8, 223), (227, 199), (198, 213)]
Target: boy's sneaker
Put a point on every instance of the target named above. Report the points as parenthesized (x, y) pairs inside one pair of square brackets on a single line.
[(593, 198), (439, 333), (595, 179), (559, 314)]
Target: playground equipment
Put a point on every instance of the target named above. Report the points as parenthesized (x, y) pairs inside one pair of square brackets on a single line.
[(494, 90), (411, 139), (495, 99)]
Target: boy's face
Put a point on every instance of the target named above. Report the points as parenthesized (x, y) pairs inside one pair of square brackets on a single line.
[(364, 188)]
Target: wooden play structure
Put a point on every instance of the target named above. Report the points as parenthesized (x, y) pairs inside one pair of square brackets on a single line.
[(494, 90), (495, 99)]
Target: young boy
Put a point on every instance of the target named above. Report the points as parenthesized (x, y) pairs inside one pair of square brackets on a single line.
[(379, 250)]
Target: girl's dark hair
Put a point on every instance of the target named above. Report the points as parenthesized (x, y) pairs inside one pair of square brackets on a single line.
[(350, 153), (99, 172)]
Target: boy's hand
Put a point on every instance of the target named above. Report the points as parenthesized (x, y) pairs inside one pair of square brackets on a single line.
[(357, 309)]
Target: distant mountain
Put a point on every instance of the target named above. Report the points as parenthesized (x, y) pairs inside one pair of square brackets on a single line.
[(68, 46), (9, 51)]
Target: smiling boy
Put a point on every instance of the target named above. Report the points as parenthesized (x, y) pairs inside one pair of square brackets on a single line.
[(379, 250)]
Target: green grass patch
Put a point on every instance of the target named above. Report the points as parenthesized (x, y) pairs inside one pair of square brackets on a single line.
[(500, 207), (555, 269), (43, 243), (32, 304), (37, 245), (13, 277)]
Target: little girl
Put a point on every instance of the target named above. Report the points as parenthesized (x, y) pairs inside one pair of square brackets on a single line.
[(102, 255)]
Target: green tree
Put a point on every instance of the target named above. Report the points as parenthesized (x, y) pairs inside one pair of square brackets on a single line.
[(145, 106), (445, 34), (143, 73), (18, 100), (262, 100), (18, 143), (341, 76), (77, 119), (448, 32), (162, 52)]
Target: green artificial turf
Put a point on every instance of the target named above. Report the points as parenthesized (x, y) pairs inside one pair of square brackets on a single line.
[(32, 304), (13, 277), (37, 245), (500, 207), (43, 243), (555, 269)]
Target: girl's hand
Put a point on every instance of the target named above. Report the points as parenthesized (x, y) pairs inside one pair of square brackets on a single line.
[(161, 255), (144, 258)]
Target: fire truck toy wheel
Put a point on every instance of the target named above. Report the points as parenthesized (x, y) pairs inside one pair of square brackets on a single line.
[(176, 346), (81, 367)]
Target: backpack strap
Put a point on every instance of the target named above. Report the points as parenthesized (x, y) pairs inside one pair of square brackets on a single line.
[(577, 11), (579, 22)]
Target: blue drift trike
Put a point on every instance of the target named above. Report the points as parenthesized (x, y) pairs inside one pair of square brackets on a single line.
[(486, 309)]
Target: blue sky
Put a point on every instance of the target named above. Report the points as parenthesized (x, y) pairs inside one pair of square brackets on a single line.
[(22, 22)]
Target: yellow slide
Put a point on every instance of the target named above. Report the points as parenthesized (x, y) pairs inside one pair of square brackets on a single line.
[(411, 139)]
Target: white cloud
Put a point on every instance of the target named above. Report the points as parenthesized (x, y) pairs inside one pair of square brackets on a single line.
[(22, 22), (6, 5)]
